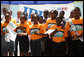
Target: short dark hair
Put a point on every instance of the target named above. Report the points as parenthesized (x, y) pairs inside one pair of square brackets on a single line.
[(4, 9), (54, 11), (9, 11), (7, 14), (24, 16), (46, 11), (77, 9), (37, 16), (63, 12), (25, 13)]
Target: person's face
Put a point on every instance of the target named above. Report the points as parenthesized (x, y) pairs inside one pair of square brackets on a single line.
[(22, 19), (31, 16), (35, 19), (53, 15), (19, 14), (76, 9), (41, 19), (58, 21), (72, 14), (49, 14), (61, 14), (76, 13), (4, 11), (10, 16), (11, 13), (45, 14), (7, 17)]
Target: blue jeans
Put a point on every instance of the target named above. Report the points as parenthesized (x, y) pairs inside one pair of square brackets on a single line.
[(7, 46)]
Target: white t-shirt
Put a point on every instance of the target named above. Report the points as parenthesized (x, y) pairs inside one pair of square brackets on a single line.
[(2, 17), (17, 20)]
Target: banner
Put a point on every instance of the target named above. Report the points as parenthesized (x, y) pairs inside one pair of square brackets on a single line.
[(40, 8)]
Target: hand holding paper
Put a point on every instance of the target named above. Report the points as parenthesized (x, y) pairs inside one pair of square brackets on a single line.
[(51, 32), (11, 26)]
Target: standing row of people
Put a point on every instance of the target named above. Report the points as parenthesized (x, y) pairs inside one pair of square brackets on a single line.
[(65, 40)]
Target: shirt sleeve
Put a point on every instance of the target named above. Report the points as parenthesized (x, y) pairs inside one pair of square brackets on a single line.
[(27, 27), (46, 24), (65, 33), (67, 28), (29, 22), (1, 27), (28, 32), (42, 29), (82, 21)]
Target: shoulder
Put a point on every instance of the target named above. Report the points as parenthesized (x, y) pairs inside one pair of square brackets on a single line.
[(17, 24), (70, 20), (13, 20), (1, 23), (41, 26), (81, 18)]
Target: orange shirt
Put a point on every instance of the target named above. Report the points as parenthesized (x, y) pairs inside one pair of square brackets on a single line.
[(78, 25), (44, 27), (23, 27), (3, 24), (1, 27), (38, 28), (60, 35), (49, 23)]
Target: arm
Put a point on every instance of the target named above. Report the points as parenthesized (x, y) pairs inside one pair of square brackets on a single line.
[(42, 31), (4, 31), (42, 34), (22, 34), (53, 33)]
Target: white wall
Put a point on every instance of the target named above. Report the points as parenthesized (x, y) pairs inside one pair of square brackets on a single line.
[(6, 6)]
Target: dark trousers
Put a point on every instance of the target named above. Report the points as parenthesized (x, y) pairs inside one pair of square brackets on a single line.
[(58, 49), (43, 46), (35, 47), (48, 46), (16, 43), (23, 44), (75, 48), (6, 46)]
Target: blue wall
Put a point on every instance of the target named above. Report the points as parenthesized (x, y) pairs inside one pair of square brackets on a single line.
[(36, 2)]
